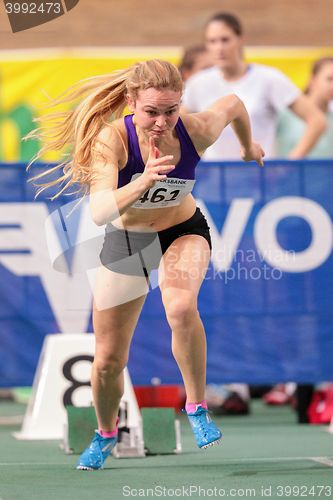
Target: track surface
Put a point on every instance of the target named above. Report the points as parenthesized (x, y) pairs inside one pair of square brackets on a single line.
[(261, 456)]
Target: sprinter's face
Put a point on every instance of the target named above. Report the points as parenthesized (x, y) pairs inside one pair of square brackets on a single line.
[(156, 111)]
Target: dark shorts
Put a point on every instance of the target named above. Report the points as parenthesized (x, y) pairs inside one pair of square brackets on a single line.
[(136, 253)]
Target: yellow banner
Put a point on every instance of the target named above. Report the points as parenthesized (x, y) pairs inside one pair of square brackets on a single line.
[(28, 77)]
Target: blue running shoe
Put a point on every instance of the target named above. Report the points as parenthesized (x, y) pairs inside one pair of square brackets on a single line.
[(205, 431), (95, 455)]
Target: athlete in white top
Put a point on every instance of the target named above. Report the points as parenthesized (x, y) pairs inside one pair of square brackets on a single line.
[(264, 90)]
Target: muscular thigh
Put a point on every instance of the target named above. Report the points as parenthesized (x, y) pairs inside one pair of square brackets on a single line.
[(184, 265), (118, 301), (112, 289)]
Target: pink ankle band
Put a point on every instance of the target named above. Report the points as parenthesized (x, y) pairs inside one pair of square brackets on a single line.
[(192, 407), (109, 434), (106, 434)]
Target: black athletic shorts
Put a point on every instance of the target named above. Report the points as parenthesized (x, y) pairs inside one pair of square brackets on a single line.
[(137, 253)]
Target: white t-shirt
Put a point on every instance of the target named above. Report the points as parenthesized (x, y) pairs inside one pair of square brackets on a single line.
[(264, 90)]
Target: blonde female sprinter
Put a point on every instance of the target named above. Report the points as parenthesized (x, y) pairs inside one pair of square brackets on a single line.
[(140, 171)]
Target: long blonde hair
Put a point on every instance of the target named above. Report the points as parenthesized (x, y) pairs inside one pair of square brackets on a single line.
[(103, 98)]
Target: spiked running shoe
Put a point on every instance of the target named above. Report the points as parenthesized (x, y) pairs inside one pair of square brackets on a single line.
[(205, 431), (94, 456)]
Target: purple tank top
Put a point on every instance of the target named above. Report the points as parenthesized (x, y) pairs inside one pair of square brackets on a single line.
[(185, 168)]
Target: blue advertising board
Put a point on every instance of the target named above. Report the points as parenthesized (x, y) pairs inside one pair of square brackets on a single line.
[(266, 301)]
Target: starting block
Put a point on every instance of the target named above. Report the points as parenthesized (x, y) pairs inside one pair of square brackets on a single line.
[(81, 425), (161, 431)]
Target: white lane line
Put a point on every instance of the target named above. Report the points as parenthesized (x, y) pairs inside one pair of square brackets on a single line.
[(15, 464), (323, 460), (11, 420)]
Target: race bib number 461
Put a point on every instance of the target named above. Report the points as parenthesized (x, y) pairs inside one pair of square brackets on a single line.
[(167, 193)]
